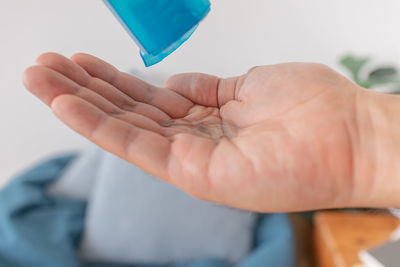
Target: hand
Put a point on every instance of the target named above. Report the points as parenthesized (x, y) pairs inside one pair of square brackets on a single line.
[(279, 138)]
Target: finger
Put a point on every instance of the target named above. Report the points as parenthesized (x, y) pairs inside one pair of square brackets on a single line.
[(48, 84), (139, 121), (145, 149), (126, 103), (171, 103), (76, 73), (204, 89), (64, 66)]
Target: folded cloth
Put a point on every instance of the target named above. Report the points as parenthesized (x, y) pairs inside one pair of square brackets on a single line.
[(41, 229)]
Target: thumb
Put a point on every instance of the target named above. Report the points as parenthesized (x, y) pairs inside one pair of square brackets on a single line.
[(204, 89)]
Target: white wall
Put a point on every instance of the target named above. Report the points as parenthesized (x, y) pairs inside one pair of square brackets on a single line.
[(236, 35)]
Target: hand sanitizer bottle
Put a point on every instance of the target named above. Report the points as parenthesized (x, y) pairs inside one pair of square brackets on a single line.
[(159, 27)]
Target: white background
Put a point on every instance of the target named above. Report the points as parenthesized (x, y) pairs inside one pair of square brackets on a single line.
[(236, 35)]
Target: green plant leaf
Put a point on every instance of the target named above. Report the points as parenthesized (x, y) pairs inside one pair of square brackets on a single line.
[(383, 72), (354, 65), (383, 75)]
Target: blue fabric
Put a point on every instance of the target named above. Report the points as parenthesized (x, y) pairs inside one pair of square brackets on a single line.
[(37, 229)]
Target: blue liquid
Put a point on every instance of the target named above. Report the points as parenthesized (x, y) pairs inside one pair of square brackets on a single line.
[(159, 26)]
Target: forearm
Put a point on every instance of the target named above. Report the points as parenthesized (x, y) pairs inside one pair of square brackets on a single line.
[(377, 153)]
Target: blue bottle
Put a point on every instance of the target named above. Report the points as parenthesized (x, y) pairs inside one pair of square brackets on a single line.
[(159, 27)]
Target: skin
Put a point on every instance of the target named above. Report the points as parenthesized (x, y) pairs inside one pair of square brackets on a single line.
[(286, 137)]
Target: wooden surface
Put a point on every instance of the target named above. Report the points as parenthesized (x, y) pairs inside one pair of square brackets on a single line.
[(340, 236), (304, 246)]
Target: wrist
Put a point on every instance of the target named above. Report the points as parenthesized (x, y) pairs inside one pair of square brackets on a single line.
[(377, 150)]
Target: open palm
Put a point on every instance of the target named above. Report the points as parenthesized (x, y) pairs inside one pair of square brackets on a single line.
[(278, 138)]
